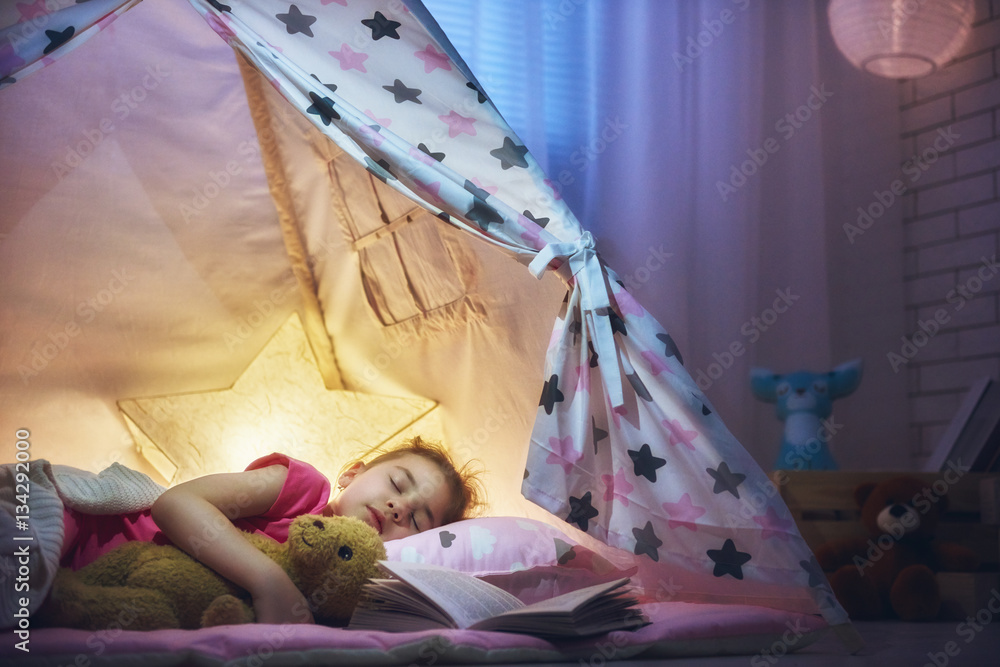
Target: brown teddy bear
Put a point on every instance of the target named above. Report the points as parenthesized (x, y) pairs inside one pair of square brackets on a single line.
[(892, 572), (146, 586)]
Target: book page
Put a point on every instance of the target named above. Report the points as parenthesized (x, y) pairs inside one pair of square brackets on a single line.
[(463, 597), (591, 610)]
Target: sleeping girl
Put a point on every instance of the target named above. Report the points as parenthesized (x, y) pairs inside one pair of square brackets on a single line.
[(404, 491)]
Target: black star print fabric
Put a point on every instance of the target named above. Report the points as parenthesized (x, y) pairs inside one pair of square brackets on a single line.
[(296, 22), (624, 445), (38, 32)]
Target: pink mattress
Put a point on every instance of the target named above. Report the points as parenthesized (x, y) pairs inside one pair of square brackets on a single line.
[(677, 629)]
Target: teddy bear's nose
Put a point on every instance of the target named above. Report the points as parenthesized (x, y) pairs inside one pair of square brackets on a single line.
[(318, 524), (897, 510), (800, 391)]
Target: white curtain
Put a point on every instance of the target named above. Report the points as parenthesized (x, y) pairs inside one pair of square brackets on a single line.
[(716, 149)]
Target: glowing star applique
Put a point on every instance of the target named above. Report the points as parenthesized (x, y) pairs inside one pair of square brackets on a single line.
[(683, 513), (279, 403), (773, 526)]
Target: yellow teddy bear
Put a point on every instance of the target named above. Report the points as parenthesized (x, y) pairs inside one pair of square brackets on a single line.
[(152, 587)]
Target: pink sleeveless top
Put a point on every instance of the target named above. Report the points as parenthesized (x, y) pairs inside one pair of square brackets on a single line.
[(87, 536)]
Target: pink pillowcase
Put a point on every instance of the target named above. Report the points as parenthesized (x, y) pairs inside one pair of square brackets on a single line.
[(530, 559)]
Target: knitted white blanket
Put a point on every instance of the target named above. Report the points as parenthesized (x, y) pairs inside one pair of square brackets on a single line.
[(32, 537)]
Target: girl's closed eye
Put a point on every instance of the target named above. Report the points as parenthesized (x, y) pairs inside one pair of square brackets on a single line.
[(413, 515)]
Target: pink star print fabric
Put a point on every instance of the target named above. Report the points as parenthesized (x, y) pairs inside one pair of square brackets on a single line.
[(35, 33), (625, 445)]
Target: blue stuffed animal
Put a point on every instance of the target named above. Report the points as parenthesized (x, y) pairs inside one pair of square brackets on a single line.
[(803, 401)]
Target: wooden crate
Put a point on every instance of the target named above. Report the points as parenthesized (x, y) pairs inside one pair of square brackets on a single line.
[(822, 503)]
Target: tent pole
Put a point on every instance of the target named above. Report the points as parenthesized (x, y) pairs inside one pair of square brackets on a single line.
[(312, 317)]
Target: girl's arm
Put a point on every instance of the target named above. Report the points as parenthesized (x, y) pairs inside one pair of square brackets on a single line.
[(197, 517)]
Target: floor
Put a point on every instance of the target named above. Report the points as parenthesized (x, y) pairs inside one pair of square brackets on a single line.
[(889, 644)]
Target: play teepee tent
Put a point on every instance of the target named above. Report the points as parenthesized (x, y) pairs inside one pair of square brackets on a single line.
[(169, 207)]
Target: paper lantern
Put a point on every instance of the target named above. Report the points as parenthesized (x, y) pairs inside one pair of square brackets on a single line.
[(900, 39), (278, 404)]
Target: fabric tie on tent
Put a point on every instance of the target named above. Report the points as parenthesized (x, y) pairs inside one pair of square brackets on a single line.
[(645, 465), (625, 446), (588, 277)]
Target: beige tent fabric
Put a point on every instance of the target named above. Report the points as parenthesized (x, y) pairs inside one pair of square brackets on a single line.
[(290, 232)]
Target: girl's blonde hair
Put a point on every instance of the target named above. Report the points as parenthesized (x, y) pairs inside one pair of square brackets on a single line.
[(467, 498)]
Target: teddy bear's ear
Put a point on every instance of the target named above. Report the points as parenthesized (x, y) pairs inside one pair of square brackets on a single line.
[(862, 492)]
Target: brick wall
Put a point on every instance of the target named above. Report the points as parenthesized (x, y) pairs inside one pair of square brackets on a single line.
[(951, 169)]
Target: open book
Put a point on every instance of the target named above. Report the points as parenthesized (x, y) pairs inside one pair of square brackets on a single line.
[(420, 596)]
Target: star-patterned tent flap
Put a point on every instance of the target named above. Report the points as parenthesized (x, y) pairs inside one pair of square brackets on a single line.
[(34, 34), (625, 445)]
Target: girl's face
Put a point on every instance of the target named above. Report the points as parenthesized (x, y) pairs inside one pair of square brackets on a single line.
[(399, 497)]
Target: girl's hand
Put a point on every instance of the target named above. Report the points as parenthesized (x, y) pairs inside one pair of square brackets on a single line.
[(191, 515), (278, 601)]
